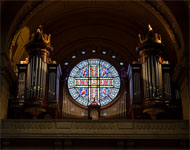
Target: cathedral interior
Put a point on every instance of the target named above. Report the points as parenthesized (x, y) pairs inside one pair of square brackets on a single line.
[(94, 74)]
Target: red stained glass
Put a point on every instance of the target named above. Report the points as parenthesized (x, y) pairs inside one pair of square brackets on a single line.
[(94, 71), (94, 93), (93, 82), (93, 74), (104, 73), (81, 82), (106, 82), (93, 68), (84, 73)]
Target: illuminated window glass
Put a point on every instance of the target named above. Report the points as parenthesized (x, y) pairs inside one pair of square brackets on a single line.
[(94, 80)]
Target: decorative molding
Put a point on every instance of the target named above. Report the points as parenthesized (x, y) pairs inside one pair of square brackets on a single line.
[(154, 129)]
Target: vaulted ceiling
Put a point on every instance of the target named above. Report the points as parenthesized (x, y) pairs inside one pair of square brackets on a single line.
[(102, 25)]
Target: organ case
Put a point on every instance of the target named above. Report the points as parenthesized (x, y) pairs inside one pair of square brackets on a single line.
[(135, 83), (54, 76), (36, 76), (155, 86)]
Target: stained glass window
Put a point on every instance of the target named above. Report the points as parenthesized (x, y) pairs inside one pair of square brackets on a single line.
[(94, 80)]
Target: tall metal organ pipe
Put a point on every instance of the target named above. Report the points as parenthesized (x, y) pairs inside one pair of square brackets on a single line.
[(152, 75), (150, 78), (37, 100)]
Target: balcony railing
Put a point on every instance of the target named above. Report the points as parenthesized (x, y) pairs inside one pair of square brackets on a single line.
[(124, 129)]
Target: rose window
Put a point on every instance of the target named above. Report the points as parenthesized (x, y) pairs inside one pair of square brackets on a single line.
[(94, 80)]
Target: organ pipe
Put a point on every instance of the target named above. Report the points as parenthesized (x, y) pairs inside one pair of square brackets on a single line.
[(155, 75), (166, 83), (22, 74), (150, 50), (17, 99), (33, 76), (134, 74), (54, 74)]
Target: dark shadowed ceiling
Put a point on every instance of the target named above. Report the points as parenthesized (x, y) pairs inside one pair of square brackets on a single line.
[(102, 25)]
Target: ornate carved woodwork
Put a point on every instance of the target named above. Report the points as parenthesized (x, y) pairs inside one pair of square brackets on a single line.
[(38, 78), (153, 79)]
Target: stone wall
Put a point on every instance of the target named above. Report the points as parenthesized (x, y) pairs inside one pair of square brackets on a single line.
[(185, 98), (7, 78)]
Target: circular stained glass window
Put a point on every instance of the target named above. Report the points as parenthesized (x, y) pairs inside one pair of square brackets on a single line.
[(94, 80)]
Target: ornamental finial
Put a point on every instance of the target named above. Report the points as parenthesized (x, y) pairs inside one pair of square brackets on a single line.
[(39, 36), (39, 29), (149, 27), (151, 37), (39, 40)]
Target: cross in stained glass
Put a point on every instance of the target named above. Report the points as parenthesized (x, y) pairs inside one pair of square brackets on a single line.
[(94, 79)]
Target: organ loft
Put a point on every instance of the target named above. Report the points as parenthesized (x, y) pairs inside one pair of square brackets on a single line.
[(89, 74), (96, 83)]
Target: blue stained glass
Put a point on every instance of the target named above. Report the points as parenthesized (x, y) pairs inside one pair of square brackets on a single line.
[(83, 92), (84, 72), (81, 101), (104, 73), (83, 64), (116, 82), (105, 101), (104, 92), (74, 72), (74, 93), (105, 64), (113, 72), (93, 61), (113, 92), (71, 83), (94, 79)]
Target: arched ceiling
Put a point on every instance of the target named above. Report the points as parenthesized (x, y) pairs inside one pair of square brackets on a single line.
[(102, 25)]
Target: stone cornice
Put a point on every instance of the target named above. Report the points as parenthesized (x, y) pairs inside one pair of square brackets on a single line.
[(120, 129)]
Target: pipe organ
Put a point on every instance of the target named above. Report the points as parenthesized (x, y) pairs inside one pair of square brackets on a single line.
[(38, 79), (134, 75), (54, 75), (22, 74), (149, 78), (41, 93), (166, 69)]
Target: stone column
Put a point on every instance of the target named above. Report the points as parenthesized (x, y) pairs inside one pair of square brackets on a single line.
[(185, 97)]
